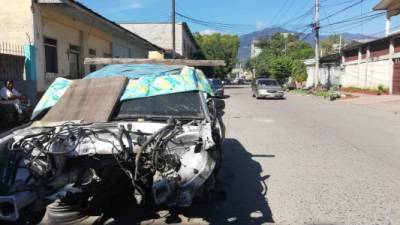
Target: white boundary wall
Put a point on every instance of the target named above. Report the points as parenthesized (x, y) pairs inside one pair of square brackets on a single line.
[(362, 73), (368, 74), (331, 72)]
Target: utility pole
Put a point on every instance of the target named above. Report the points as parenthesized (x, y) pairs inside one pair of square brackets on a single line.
[(173, 29), (285, 46), (316, 29), (340, 43)]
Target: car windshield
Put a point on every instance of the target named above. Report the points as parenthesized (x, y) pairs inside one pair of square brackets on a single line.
[(267, 83), (178, 105)]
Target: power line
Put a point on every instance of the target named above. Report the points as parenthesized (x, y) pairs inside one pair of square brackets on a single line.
[(354, 20), (280, 11), (224, 27), (216, 23), (339, 3), (284, 13), (308, 13), (342, 10)]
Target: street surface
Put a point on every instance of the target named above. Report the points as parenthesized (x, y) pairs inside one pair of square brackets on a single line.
[(302, 160)]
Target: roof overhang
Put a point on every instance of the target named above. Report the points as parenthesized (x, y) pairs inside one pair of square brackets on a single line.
[(391, 6), (383, 4), (80, 12), (395, 35)]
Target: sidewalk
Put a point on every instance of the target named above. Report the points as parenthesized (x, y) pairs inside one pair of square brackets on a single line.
[(390, 103)]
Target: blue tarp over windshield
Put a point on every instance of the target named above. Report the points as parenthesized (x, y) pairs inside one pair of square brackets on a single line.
[(145, 80)]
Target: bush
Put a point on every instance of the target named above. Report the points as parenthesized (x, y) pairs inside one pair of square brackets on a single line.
[(299, 72), (378, 91), (381, 89)]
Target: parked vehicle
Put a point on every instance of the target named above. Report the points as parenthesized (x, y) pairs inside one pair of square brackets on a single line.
[(11, 116), (266, 88), (162, 145), (226, 82), (218, 87)]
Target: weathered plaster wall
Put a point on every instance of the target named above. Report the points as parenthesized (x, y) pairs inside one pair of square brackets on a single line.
[(66, 31), (159, 34), (124, 49), (16, 21)]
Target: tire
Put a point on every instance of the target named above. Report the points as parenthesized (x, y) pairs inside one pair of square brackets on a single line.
[(30, 218), (62, 213), (218, 163)]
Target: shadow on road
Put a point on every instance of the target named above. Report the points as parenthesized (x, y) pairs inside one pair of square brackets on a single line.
[(272, 99), (240, 197)]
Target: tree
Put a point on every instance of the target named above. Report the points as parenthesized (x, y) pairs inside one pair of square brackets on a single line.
[(331, 45), (281, 68), (218, 46), (281, 57)]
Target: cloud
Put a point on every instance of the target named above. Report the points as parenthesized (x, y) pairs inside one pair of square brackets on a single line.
[(125, 6), (135, 5), (208, 32), (260, 25)]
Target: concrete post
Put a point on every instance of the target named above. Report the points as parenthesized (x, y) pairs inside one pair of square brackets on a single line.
[(367, 60), (391, 53), (359, 65), (387, 29)]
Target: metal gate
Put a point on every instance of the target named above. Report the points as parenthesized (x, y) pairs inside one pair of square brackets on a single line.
[(12, 62), (396, 77)]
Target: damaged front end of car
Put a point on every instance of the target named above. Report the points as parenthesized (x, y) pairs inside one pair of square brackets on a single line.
[(153, 138), (166, 163)]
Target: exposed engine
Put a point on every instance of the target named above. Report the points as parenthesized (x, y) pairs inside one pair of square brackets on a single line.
[(165, 163)]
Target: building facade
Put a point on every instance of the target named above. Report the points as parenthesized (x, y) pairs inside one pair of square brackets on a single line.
[(368, 64), (255, 49), (59, 34), (161, 35)]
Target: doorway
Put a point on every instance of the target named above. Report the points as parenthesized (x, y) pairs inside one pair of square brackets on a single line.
[(74, 62), (396, 77)]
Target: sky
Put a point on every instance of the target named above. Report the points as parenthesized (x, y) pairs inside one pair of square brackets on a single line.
[(245, 16)]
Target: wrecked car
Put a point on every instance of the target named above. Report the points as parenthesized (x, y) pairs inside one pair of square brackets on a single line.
[(161, 144)]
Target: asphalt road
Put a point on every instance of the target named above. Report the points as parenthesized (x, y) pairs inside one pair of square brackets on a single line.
[(302, 160)]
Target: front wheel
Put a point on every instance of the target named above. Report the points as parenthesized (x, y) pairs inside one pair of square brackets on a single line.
[(63, 213)]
